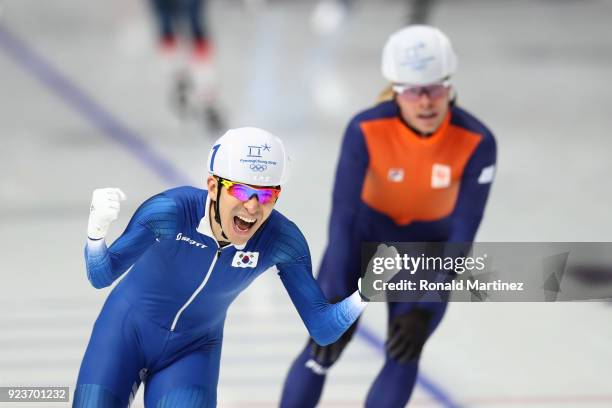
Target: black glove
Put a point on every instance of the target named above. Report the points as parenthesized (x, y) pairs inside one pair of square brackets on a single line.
[(407, 335), (328, 355)]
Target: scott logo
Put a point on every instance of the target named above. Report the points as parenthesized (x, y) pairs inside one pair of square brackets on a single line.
[(180, 237)]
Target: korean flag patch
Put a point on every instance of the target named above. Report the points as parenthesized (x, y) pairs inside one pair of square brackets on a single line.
[(245, 259)]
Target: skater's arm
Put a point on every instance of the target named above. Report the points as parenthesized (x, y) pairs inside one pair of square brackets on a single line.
[(474, 191), (324, 321), (154, 220)]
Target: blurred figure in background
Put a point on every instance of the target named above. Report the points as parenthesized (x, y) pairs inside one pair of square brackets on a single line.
[(187, 50), (328, 15), (419, 11), (413, 168)]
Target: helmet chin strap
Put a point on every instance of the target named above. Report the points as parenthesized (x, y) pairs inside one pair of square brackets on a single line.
[(217, 213)]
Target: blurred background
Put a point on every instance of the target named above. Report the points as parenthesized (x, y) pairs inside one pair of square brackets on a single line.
[(90, 98)]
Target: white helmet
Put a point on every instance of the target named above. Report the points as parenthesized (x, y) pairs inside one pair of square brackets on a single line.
[(418, 55), (249, 155)]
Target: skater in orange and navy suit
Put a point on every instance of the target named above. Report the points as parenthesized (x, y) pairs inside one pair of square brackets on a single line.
[(413, 168)]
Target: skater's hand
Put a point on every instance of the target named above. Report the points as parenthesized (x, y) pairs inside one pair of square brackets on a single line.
[(407, 335), (326, 356), (104, 209), (367, 282)]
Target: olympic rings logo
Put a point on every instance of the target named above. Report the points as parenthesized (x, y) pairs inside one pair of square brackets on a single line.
[(258, 167)]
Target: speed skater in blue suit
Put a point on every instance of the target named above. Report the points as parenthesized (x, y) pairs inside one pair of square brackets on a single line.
[(190, 252)]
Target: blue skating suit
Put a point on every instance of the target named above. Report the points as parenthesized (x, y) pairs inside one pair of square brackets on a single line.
[(163, 322)]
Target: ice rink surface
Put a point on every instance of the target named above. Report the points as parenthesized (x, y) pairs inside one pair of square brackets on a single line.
[(84, 104)]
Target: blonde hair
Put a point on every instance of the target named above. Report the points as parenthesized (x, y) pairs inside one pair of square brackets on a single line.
[(387, 94)]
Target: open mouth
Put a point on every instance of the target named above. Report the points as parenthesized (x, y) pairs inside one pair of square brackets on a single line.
[(427, 116), (243, 224)]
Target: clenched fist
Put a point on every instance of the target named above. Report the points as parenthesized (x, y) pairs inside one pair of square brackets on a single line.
[(104, 209)]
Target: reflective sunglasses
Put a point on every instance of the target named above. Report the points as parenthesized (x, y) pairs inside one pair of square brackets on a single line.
[(413, 93), (244, 192)]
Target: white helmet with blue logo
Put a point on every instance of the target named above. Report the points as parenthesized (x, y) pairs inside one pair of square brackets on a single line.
[(418, 55), (249, 155)]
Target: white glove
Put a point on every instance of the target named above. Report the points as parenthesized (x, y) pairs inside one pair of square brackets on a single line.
[(366, 282), (104, 209)]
